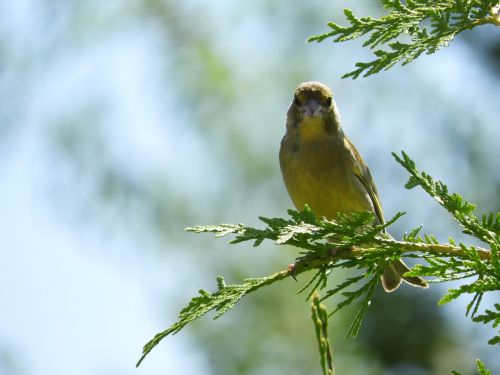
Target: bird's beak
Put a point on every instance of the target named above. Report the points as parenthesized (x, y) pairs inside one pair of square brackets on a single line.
[(312, 107)]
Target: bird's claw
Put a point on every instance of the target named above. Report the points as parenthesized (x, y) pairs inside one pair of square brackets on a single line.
[(334, 251), (292, 270)]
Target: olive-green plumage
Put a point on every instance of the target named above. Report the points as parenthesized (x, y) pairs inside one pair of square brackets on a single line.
[(322, 168)]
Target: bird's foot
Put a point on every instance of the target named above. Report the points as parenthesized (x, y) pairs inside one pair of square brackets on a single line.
[(292, 270), (334, 251)]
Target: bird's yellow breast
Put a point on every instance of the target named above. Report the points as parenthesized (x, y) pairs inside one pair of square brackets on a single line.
[(317, 174), (311, 128)]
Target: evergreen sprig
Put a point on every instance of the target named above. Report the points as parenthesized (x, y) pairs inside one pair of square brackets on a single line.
[(319, 316), (493, 317), (472, 262), (486, 229), (481, 369), (221, 301), (353, 242), (405, 21)]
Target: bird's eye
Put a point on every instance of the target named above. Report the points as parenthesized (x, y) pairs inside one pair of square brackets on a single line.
[(328, 101), (296, 100)]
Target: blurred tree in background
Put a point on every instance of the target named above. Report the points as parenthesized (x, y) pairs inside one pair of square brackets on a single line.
[(145, 117)]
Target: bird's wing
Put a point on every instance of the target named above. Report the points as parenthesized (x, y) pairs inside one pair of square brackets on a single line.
[(363, 174)]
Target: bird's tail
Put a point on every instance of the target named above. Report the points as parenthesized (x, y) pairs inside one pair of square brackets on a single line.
[(393, 276)]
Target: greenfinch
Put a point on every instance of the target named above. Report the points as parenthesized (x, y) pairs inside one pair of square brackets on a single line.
[(322, 168)]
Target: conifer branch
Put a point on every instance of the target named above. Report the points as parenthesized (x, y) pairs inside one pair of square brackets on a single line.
[(405, 20), (352, 241), (319, 316), (221, 301), (481, 369)]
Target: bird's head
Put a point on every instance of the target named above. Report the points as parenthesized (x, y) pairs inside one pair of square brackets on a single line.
[(312, 111)]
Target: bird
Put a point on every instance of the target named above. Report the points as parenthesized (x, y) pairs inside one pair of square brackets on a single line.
[(322, 168)]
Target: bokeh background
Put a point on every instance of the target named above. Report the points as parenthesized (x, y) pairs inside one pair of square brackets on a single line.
[(123, 122)]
